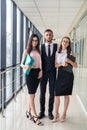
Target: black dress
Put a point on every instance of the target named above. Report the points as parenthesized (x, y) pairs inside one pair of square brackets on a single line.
[(32, 80), (64, 81)]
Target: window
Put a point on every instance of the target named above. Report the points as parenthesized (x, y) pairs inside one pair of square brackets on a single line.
[(79, 47), (24, 33), (9, 45), (9, 32), (80, 43), (18, 79), (0, 34), (18, 36), (24, 41), (0, 91), (30, 33), (9, 85), (0, 52)]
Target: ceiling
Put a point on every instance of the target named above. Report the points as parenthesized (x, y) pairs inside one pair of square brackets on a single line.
[(54, 14)]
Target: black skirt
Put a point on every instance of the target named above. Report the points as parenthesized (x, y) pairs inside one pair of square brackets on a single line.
[(32, 81), (64, 83)]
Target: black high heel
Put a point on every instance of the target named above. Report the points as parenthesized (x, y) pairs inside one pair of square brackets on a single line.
[(28, 115), (37, 121)]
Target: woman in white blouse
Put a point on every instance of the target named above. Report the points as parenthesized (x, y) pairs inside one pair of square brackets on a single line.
[(32, 80), (65, 61)]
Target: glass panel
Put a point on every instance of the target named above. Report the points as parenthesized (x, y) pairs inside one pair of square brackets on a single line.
[(0, 34), (0, 90), (24, 33), (24, 44), (8, 85), (81, 71), (18, 79), (0, 53), (23, 78), (79, 47), (18, 36), (28, 27), (30, 33), (9, 32)]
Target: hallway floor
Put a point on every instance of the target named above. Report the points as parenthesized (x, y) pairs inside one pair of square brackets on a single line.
[(15, 118)]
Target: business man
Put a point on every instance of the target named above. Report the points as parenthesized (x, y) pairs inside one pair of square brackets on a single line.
[(48, 50)]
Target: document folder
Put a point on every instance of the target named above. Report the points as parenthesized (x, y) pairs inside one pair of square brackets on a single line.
[(69, 67), (28, 61)]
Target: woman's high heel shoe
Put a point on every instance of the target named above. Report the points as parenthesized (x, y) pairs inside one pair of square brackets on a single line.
[(28, 115), (63, 118), (37, 121), (55, 119)]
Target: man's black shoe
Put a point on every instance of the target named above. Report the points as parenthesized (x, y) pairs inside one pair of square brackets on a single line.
[(50, 115), (41, 115)]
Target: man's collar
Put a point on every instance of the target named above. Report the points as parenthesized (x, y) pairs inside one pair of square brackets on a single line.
[(46, 43)]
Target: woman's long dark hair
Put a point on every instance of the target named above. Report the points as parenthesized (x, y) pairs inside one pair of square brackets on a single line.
[(29, 43), (68, 48)]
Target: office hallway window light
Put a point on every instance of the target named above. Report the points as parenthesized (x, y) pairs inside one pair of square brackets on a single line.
[(0, 91), (9, 45), (0, 52), (24, 40), (8, 85), (0, 34), (9, 32), (18, 79), (18, 36), (18, 47), (80, 47), (24, 33)]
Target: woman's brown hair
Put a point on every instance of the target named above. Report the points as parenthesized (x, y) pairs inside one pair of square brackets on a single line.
[(68, 48), (29, 43)]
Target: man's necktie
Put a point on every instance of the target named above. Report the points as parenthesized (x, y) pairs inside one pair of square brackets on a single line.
[(48, 50)]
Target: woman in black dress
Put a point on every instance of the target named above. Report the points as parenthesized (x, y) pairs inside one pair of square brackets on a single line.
[(65, 61), (32, 80)]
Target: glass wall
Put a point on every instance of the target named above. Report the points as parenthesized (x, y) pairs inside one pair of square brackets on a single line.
[(80, 48), (8, 86), (24, 40), (24, 32), (18, 47), (0, 34), (9, 45), (0, 53), (18, 79), (0, 91), (18, 36), (9, 32)]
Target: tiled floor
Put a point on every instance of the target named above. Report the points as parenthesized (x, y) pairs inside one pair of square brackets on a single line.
[(16, 119)]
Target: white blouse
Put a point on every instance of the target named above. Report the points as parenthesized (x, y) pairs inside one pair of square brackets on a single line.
[(60, 57), (37, 59)]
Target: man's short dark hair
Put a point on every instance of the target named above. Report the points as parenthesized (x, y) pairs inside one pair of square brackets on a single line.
[(48, 30)]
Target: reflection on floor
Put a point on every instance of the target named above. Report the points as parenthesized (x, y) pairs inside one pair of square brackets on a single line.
[(16, 119)]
